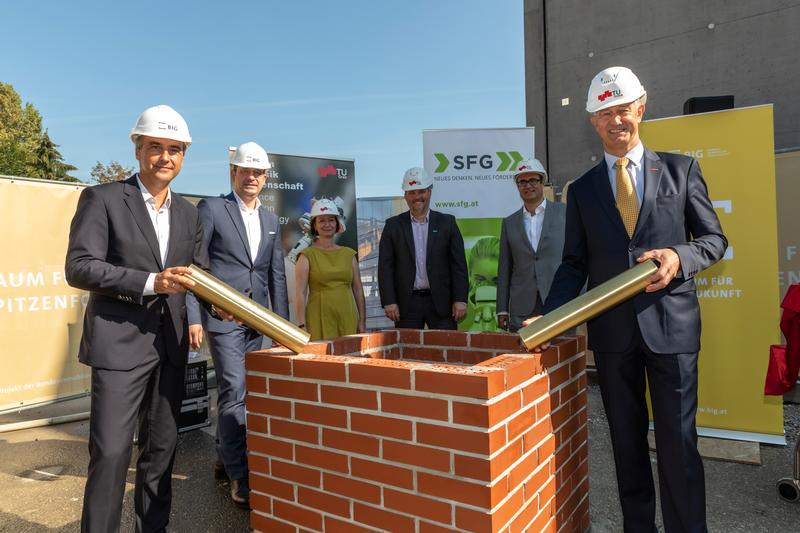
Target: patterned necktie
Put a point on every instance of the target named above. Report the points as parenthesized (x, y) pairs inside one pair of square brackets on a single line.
[(626, 196)]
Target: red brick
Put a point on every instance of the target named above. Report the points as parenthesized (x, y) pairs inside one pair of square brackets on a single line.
[(322, 459), (426, 527), (581, 343), (410, 336), (380, 373), (470, 357), (323, 501), (358, 490), (543, 407), (317, 414), (272, 487), (381, 473), (351, 344), (520, 423), (256, 384), (460, 439), (270, 364), (533, 483), (412, 454), (550, 357), (317, 348), (384, 520), (324, 369), (293, 430), (380, 339), (416, 406), (534, 435), (343, 440), (476, 494), (523, 470), (484, 415), (381, 425), (548, 491), (529, 511), (269, 446), (293, 389), (577, 366), (297, 515), (439, 337), (546, 448), (558, 376), (485, 469), (391, 353), (507, 342), (423, 353), (261, 502), (258, 463), (298, 474), (265, 524), (365, 399), (416, 505), (482, 385), (269, 406), (518, 368), (333, 525), (256, 423), (535, 390)]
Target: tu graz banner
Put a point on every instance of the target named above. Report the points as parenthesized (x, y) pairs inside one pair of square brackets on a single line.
[(41, 317), (473, 180), (739, 296)]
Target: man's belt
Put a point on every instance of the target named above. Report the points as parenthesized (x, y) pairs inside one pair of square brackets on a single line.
[(421, 292)]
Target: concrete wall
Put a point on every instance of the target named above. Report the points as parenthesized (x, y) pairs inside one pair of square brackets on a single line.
[(751, 52)]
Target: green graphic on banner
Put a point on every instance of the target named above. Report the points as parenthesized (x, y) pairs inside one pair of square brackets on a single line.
[(508, 163), (443, 162), (482, 247)]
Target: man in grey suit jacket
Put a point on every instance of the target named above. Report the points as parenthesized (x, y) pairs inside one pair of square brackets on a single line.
[(636, 205), (129, 245), (531, 242), (243, 240)]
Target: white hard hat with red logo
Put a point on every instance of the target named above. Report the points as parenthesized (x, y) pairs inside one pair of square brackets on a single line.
[(163, 122), (326, 207), (530, 166), (415, 179), (250, 155), (613, 86)]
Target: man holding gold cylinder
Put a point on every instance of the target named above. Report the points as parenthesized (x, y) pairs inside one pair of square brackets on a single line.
[(634, 206), (243, 240)]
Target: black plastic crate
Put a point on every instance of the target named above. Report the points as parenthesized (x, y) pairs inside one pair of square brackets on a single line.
[(194, 414), (196, 381)]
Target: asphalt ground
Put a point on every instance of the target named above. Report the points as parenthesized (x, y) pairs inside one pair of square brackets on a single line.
[(42, 473)]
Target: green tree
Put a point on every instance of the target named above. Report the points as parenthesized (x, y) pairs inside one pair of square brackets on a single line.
[(114, 171), (26, 150)]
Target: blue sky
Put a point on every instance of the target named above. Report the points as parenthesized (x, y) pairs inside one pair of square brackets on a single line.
[(356, 79)]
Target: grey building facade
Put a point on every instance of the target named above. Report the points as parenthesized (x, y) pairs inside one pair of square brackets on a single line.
[(678, 48)]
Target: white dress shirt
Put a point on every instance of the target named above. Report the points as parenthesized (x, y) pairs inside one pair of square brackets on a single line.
[(252, 225), (419, 228), (635, 170), (533, 223), (160, 220)]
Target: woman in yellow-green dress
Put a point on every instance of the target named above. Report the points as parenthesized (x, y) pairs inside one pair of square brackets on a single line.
[(329, 274)]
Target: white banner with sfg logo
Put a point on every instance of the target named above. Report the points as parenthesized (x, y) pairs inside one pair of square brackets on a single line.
[(473, 179), (473, 169)]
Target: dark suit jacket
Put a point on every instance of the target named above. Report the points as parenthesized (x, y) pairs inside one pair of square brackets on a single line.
[(262, 278), (523, 272), (675, 213), (444, 261), (112, 250)]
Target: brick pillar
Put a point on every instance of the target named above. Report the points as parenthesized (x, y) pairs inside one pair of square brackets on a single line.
[(418, 431)]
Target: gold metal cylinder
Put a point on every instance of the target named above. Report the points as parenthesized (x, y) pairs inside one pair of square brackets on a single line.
[(251, 313), (588, 305)]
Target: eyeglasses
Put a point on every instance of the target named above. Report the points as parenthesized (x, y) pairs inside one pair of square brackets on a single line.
[(530, 182)]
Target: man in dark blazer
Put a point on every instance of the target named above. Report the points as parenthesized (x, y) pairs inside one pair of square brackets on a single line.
[(244, 246), (638, 205), (531, 242), (422, 271), (129, 245)]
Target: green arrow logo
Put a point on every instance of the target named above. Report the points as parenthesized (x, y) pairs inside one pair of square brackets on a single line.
[(443, 162), (505, 161), (516, 161)]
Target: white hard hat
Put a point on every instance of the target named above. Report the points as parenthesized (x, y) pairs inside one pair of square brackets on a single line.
[(530, 166), (415, 179), (613, 86), (324, 206), (250, 155), (163, 122)]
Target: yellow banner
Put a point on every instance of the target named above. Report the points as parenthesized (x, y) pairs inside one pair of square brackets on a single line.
[(787, 173), (739, 296), (40, 315)]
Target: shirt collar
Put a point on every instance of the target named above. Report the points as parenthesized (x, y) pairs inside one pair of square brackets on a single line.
[(424, 220), (539, 208), (244, 207), (149, 198), (635, 157)]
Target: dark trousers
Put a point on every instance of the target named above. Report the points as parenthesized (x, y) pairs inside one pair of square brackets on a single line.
[(151, 395), (422, 312), (227, 351), (672, 379)]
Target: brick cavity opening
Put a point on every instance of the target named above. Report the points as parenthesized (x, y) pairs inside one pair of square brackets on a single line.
[(418, 431)]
